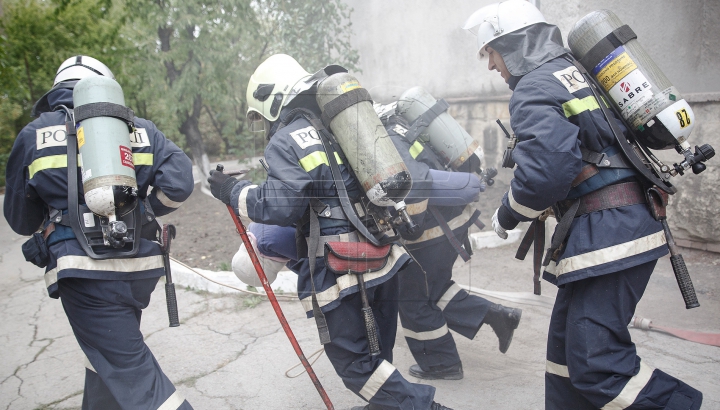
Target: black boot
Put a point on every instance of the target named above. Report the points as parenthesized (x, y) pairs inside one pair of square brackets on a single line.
[(503, 321), (448, 373), (433, 406)]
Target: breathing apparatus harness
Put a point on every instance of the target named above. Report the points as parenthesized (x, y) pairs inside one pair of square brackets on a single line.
[(123, 237), (464, 250), (358, 252), (653, 191)]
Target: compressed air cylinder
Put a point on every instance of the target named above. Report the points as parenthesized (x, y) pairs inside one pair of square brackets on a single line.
[(108, 171), (444, 135), (644, 96), (366, 144)]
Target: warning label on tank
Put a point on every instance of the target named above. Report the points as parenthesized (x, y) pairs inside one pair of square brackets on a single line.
[(126, 157), (81, 137), (631, 92), (613, 68), (348, 86)]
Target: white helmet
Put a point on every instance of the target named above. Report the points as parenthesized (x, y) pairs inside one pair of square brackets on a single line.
[(273, 85), (79, 67), (244, 269), (496, 20)]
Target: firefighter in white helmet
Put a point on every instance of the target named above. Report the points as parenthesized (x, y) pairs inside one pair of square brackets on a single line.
[(607, 242), (103, 299)]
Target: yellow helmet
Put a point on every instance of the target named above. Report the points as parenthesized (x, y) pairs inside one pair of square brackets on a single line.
[(273, 85)]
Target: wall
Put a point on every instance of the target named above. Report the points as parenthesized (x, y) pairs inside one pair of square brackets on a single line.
[(404, 43)]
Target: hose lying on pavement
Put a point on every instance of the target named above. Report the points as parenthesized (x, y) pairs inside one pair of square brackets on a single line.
[(637, 322), (289, 296), (712, 339), (527, 298)]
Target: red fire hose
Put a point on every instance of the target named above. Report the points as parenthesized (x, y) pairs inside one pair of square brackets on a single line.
[(276, 306)]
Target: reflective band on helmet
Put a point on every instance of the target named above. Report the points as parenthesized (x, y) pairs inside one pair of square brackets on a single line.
[(377, 379), (429, 335), (577, 106)]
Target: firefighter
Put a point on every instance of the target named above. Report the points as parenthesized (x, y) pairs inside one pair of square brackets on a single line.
[(281, 100), (103, 299), (431, 303), (611, 242)]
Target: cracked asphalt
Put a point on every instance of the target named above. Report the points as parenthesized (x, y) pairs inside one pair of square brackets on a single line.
[(231, 353)]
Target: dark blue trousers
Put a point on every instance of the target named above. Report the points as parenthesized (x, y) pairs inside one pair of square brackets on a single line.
[(373, 378), (431, 303), (591, 361), (123, 373)]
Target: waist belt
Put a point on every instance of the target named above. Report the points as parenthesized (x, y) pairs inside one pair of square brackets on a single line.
[(609, 197), (343, 237), (612, 196)]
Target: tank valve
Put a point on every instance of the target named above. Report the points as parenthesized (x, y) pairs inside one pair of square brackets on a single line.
[(695, 160), (410, 225), (117, 234)]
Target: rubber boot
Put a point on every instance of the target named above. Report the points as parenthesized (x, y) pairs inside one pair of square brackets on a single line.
[(433, 406), (448, 373), (503, 321)]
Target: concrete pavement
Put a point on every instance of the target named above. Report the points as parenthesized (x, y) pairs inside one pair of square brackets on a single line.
[(231, 353)]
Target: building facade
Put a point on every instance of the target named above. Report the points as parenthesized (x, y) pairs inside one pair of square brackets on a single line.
[(405, 43)]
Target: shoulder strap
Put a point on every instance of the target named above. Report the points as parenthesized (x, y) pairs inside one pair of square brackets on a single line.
[(535, 234), (74, 222), (606, 45), (640, 164), (425, 119), (342, 190), (73, 205), (320, 320), (449, 233)]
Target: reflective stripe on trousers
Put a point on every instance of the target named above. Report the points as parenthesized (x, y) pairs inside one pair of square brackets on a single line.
[(373, 378), (591, 360), (121, 372)]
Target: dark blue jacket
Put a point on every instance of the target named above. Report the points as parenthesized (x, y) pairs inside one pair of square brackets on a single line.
[(553, 113), (298, 171), (36, 178), (428, 175)]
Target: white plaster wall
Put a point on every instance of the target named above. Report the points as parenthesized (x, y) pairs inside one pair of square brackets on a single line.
[(405, 43)]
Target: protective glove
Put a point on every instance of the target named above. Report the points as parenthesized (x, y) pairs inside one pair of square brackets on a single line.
[(221, 185), (499, 230)]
